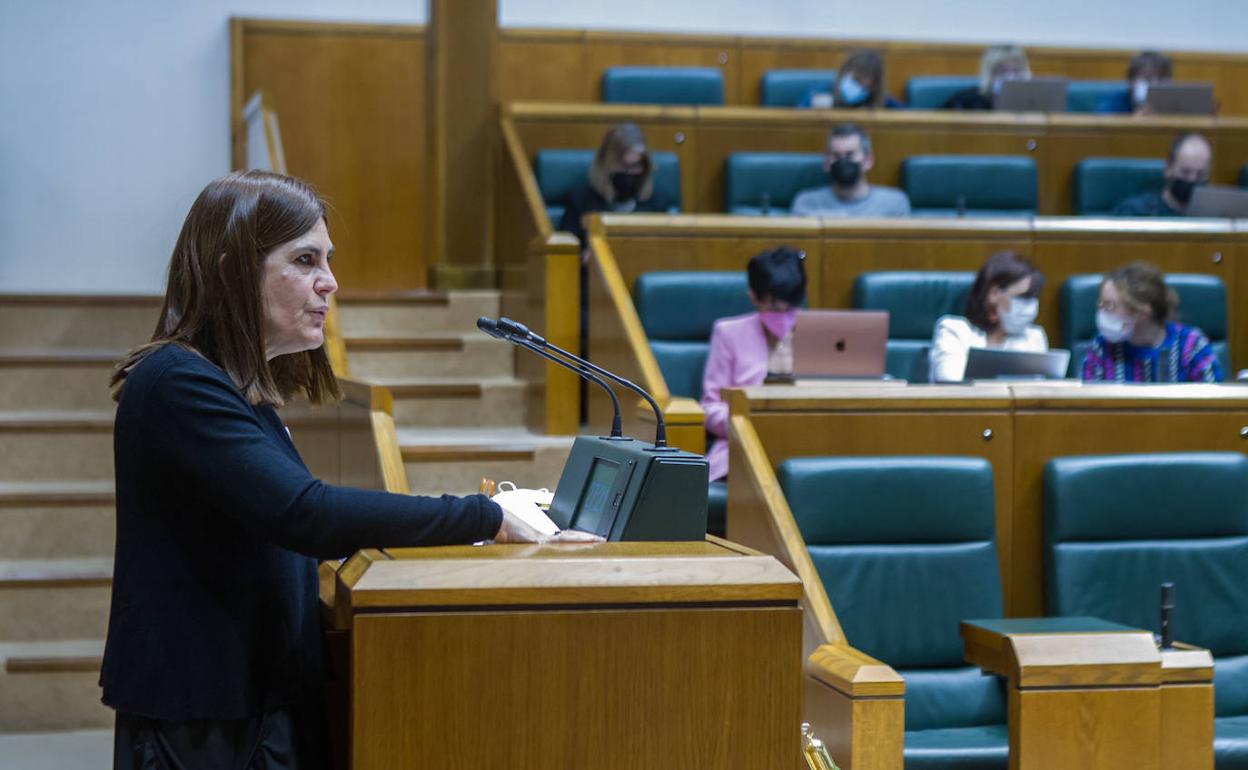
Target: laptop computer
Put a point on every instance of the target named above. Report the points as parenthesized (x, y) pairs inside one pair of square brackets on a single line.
[(840, 343), (1181, 98), (996, 364), (1210, 200), (1035, 95)]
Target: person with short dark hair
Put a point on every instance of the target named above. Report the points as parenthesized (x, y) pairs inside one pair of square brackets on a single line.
[(859, 83), (998, 64), (1137, 337), (747, 348), (847, 158), (1145, 69), (1187, 167), (1001, 310)]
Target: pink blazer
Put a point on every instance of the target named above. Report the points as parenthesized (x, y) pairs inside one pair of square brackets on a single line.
[(738, 358)]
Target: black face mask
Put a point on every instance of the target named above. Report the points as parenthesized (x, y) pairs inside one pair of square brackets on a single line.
[(845, 172), (625, 185), (1181, 190)]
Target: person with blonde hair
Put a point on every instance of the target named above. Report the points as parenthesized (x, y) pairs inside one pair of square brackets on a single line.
[(998, 64), (859, 83), (1137, 336), (620, 179)]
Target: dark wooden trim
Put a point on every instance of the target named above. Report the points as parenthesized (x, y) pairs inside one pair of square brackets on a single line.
[(464, 453), (407, 344), (436, 390)]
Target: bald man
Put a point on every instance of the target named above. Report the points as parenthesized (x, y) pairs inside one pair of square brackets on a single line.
[(1187, 167)]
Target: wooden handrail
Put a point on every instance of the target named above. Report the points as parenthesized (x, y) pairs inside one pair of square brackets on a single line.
[(518, 163)]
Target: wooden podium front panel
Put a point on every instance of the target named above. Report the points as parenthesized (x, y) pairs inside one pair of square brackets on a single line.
[(567, 688)]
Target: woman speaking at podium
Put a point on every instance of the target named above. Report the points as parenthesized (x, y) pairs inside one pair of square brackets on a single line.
[(213, 656)]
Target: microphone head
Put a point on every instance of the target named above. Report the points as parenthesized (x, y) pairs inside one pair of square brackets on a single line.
[(489, 326), (513, 328), (1167, 595)]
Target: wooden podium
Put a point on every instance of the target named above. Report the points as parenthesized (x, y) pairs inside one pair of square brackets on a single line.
[(613, 655)]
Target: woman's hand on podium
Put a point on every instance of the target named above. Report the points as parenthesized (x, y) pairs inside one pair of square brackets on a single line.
[(515, 530)]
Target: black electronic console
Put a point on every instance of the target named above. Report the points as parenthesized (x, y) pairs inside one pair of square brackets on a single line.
[(617, 487)]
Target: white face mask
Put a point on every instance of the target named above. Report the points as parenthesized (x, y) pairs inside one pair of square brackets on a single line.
[(1020, 314), (1112, 328), (1139, 91)]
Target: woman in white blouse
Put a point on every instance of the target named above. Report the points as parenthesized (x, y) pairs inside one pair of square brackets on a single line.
[(1001, 310)]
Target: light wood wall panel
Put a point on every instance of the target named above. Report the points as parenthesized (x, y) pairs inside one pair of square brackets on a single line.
[(351, 103)]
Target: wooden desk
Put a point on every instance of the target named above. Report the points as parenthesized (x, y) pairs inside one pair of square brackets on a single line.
[(618, 655)]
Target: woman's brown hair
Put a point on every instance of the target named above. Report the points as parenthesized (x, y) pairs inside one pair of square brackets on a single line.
[(865, 61), (1142, 286), (213, 300), (1005, 268), (617, 143)]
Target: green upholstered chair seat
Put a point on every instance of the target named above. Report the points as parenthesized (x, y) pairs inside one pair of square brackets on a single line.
[(998, 184), (716, 507), (769, 180), (930, 92), (915, 300), (1100, 184), (1230, 681), (555, 214), (963, 696), (785, 88), (1202, 303), (559, 172), (1085, 95), (1230, 743), (984, 747), (663, 85), (1243, 175)]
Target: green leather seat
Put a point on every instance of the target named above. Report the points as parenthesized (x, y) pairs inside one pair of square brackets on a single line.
[(930, 92), (1085, 95), (785, 88), (663, 85), (915, 300), (975, 185), (559, 172), (1100, 184), (1243, 175), (1202, 303), (902, 567), (766, 182), (1117, 526)]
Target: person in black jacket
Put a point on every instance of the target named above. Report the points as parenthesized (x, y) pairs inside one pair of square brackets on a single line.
[(998, 64), (213, 655)]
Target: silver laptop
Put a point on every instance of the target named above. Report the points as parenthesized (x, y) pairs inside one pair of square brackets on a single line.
[(1210, 200), (996, 364), (1035, 95), (1181, 98), (840, 343)]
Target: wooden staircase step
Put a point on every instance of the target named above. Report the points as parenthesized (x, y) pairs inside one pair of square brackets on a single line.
[(56, 493), (438, 343), (356, 297), (76, 421), (48, 657), (11, 357), (56, 573)]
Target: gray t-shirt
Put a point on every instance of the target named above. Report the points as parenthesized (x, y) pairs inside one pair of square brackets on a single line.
[(879, 202)]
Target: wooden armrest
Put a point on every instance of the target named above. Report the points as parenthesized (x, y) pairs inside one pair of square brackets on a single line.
[(853, 672), (854, 703), (1186, 663), (1062, 652)]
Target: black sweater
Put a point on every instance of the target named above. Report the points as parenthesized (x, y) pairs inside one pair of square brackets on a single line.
[(219, 528)]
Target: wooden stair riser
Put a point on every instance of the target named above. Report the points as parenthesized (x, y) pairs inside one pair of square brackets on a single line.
[(497, 405), (474, 358), (37, 702), (55, 387), (384, 319), (57, 611), (76, 325), (40, 454), (463, 476), (56, 531)]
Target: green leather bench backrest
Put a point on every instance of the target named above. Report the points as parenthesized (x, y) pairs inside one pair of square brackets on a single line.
[(975, 184), (904, 549), (1100, 184), (1202, 303), (1085, 95), (930, 92), (754, 181), (785, 88), (677, 311), (1243, 175), (914, 300), (1117, 526), (663, 85), (559, 172)]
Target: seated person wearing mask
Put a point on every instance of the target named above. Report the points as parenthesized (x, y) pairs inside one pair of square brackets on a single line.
[(620, 179), (847, 160), (1001, 310), (1187, 167), (1136, 338), (1144, 69), (746, 348), (859, 83), (998, 64)]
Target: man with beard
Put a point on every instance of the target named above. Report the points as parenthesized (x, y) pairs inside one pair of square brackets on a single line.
[(847, 160), (1187, 167)]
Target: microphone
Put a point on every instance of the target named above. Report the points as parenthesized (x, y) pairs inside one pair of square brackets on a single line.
[(515, 329), (490, 327), (1167, 606)]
